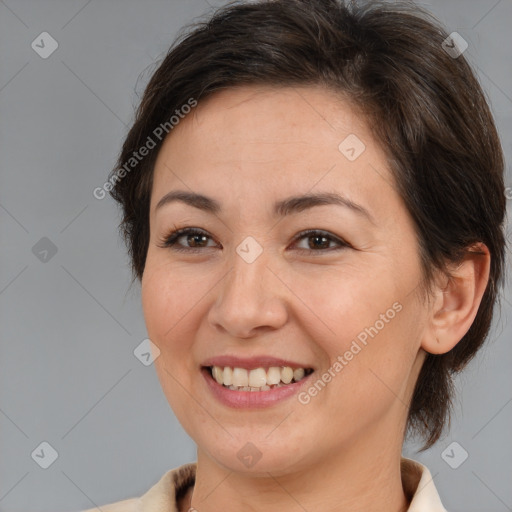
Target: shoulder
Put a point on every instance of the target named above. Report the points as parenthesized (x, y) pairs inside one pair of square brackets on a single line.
[(161, 497), (130, 505), (419, 487)]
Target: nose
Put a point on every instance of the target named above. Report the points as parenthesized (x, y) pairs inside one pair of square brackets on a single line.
[(251, 299)]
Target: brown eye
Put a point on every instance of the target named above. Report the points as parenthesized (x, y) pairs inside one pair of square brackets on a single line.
[(318, 241), (194, 240)]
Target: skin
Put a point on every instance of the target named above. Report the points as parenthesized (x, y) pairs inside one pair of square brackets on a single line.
[(248, 147)]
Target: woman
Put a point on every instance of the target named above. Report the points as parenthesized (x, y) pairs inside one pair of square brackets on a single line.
[(313, 202)]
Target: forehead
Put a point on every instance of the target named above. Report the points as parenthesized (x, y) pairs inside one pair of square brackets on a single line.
[(272, 142), (286, 115)]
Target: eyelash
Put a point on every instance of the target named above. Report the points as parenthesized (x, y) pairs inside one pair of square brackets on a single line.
[(169, 241)]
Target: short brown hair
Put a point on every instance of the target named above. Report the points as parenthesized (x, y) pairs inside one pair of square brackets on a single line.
[(425, 107)]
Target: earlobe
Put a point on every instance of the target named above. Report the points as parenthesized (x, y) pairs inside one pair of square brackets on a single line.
[(457, 300)]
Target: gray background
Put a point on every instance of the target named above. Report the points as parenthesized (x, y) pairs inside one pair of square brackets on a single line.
[(69, 325)]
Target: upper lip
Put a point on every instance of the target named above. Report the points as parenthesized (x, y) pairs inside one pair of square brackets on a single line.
[(250, 363)]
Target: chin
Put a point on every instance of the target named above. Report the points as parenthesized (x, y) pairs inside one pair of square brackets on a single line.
[(258, 456)]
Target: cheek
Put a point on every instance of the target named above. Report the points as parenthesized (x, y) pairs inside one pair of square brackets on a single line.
[(167, 302), (370, 329), (374, 363), (167, 298), (346, 303)]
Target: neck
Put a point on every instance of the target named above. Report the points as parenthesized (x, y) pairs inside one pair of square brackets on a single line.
[(364, 478)]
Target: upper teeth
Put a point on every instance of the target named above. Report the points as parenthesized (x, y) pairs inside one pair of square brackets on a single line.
[(260, 378)]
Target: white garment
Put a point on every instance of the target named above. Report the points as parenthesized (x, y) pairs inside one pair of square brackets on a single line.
[(162, 497)]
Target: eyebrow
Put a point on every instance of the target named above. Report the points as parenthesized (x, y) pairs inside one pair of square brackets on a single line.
[(282, 208)]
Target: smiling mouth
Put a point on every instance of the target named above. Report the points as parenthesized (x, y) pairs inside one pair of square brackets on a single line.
[(257, 379)]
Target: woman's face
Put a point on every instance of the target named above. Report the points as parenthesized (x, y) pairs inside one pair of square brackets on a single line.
[(249, 288)]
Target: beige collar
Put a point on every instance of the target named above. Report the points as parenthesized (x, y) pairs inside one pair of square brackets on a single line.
[(164, 495), (416, 480)]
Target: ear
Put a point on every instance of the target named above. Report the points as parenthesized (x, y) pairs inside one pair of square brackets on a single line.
[(456, 300)]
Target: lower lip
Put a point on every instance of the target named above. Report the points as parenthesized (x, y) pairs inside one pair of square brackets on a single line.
[(252, 399)]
